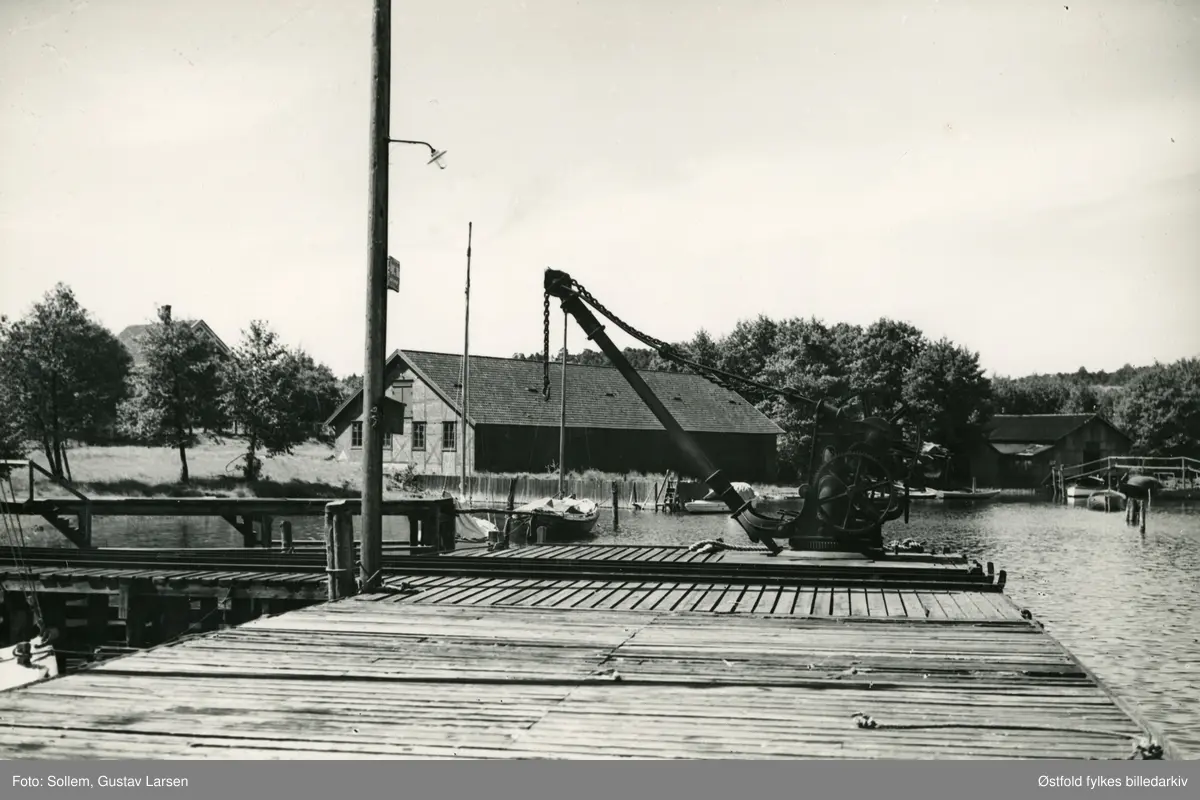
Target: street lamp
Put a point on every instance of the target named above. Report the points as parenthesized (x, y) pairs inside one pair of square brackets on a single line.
[(436, 156), (374, 419)]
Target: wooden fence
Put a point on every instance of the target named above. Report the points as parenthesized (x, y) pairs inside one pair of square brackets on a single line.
[(631, 492)]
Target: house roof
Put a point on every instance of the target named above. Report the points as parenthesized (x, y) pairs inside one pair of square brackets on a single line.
[(131, 338), (506, 391), (1028, 429)]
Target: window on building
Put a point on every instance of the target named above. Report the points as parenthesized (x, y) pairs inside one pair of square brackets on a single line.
[(418, 436), (449, 435), (356, 434)]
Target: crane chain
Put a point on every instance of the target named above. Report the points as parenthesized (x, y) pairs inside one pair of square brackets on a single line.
[(671, 353), (546, 346)]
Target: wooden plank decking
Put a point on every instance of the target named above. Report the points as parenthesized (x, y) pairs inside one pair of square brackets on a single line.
[(557, 671)]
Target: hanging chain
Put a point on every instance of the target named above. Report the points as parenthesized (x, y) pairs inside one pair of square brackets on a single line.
[(546, 346), (671, 353)]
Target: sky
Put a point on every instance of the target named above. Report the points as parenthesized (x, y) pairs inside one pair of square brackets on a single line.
[(1021, 177)]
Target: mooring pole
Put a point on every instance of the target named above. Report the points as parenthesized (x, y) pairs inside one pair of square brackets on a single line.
[(376, 311)]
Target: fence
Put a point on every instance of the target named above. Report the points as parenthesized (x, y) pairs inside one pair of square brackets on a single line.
[(631, 492)]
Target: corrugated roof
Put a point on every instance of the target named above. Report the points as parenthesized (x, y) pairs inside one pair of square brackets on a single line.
[(507, 391), (1035, 428)]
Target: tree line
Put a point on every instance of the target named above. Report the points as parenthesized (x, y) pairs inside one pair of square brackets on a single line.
[(64, 378), (893, 366)]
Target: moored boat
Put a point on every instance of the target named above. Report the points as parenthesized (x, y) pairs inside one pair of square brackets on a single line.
[(27, 662), (1085, 488), (1106, 500), (711, 504), (968, 495), (563, 517)]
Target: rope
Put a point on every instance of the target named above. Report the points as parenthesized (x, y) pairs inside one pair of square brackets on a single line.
[(18, 547), (717, 545)]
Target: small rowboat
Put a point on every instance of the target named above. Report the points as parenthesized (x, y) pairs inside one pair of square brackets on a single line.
[(563, 517), (967, 495), (711, 504)]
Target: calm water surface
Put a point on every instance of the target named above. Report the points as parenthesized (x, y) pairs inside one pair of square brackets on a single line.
[(1127, 604)]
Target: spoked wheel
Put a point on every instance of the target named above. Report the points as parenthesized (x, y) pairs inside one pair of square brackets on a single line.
[(856, 493)]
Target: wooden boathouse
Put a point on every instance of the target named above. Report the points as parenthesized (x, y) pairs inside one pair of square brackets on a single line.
[(603, 651)]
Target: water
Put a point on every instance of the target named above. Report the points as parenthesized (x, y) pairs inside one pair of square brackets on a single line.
[(1126, 604)]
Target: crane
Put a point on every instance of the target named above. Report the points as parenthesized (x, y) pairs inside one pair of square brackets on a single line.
[(852, 492)]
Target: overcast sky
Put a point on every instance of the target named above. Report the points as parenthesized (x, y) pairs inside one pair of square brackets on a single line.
[(1019, 176)]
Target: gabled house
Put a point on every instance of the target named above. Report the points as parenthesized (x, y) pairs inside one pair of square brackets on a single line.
[(511, 427), (1019, 449), (131, 338)]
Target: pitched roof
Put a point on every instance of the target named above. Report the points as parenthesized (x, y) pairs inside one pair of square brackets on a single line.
[(131, 338), (1038, 428), (506, 391)]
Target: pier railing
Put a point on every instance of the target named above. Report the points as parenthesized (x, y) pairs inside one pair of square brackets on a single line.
[(1180, 468), (79, 533)]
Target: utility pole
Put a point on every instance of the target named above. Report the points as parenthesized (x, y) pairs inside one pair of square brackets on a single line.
[(376, 311)]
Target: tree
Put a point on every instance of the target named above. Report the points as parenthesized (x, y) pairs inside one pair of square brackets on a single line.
[(280, 398), (317, 393), (948, 390), (887, 351), (1033, 394), (350, 385), (64, 375), (177, 390), (1160, 410)]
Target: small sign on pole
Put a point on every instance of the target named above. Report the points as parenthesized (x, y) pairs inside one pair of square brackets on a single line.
[(393, 282)]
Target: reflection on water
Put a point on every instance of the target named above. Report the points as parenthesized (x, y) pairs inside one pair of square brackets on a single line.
[(1126, 604)]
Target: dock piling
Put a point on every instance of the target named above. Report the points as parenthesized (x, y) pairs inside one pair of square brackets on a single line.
[(339, 550), (616, 498), (285, 531)]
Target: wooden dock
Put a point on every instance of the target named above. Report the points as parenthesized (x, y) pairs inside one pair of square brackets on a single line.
[(689, 655)]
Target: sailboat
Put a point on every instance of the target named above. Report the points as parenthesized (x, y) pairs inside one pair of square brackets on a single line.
[(563, 516), (468, 527)]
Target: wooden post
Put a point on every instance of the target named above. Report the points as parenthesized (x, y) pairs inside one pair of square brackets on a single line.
[(285, 531), (414, 530), (1145, 512), (31, 480), (616, 520), (541, 533), (344, 523), (508, 518), (266, 533), (331, 560), (339, 550), (447, 527), (656, 496)]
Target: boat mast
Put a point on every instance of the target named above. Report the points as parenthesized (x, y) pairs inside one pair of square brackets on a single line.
[(562, 422), (466, 370)]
